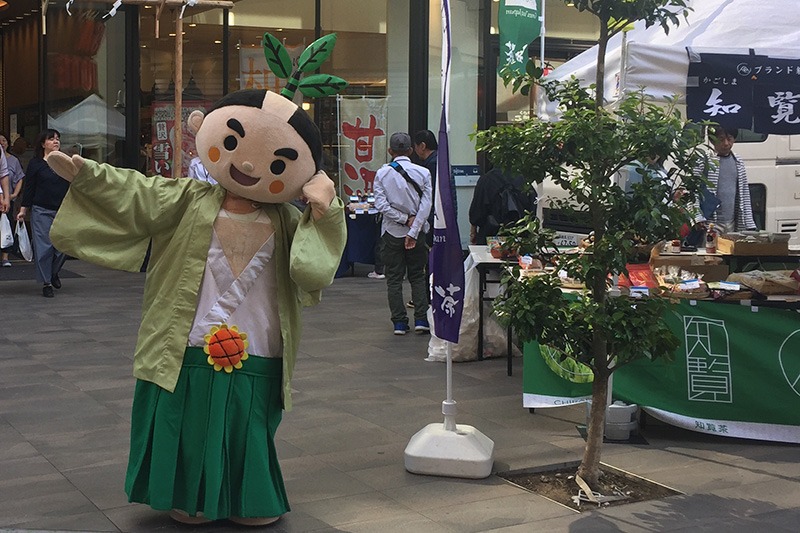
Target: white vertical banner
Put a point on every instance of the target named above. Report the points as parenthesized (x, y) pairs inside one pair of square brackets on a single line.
[(363, 142)]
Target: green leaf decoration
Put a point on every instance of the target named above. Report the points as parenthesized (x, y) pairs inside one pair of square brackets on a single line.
[(277, 57), (321, 85), (316, 53)]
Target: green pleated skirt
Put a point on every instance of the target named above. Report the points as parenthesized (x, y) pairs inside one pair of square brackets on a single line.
[(209, 446)]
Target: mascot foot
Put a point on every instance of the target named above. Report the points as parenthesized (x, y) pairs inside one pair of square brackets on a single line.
[(184, 518), (260, 521)]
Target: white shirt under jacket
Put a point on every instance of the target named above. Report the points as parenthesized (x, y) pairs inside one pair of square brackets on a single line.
[(246, 301)]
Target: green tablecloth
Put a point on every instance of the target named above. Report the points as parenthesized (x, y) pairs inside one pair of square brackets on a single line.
[(736, 373)]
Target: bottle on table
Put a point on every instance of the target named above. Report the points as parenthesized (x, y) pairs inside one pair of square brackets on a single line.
[(711, 240)]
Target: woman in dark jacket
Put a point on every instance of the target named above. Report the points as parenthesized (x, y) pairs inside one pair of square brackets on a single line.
[(42, 194)]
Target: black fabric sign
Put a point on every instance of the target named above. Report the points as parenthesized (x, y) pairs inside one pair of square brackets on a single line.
[(777, 108), (745, 91)]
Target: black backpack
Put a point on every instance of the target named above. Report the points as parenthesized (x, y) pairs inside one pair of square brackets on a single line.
[(508, 206)]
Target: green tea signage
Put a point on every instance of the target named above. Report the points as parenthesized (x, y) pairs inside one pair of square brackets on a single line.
[(736, 373), (520, 23)]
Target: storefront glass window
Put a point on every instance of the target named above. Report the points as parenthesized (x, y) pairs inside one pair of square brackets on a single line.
[(85, 84), (202, 81)]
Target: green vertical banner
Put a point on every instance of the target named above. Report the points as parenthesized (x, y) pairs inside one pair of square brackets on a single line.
[(519, 24), (736, 374)]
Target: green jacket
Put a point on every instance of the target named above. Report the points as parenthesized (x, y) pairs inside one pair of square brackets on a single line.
[(111, 214)]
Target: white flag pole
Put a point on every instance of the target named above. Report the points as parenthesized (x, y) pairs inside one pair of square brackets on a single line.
[(541, 31), (448, 449)]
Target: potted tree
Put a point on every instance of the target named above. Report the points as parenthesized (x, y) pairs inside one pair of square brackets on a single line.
[(581, 153)]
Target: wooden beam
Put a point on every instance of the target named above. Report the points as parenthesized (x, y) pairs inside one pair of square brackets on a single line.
[(177, 165), (175, 3)]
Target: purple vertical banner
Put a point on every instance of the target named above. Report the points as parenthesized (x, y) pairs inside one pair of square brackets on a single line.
[(446, 259)]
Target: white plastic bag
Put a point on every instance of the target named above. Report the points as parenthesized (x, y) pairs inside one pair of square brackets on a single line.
[(6, 237), (25, 248), (494, 335)]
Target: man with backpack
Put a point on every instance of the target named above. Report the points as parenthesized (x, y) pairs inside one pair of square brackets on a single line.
[(403, 195), (499, 199)]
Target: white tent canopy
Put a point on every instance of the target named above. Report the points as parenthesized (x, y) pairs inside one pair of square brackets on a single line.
[(90, 122), (659, 62)]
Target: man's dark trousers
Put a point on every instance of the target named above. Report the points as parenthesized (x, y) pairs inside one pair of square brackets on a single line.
[(399, 262)]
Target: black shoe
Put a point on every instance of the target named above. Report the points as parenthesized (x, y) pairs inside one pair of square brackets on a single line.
[(56, 282), (47, 291)]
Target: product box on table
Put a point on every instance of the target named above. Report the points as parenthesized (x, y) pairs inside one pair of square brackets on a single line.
[(710, 268), (735, 245)]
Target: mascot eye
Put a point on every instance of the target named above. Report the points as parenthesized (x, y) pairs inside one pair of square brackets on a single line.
[(230, 143), (277, 167)]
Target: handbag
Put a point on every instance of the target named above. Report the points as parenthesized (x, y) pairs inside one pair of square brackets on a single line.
[(25, 249), (6, 236)]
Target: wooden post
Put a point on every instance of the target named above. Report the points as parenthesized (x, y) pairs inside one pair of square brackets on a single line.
[(178, 151)]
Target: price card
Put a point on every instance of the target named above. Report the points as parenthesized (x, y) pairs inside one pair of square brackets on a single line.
[(638, 292), (729, 286), (690, 284)]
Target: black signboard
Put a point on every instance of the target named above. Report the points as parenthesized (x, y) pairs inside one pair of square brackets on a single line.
[(745, 91)]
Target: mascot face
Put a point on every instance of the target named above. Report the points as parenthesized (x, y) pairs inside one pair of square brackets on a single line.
[(258, 145)]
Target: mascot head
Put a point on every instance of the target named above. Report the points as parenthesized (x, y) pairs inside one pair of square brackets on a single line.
[(258, 145)]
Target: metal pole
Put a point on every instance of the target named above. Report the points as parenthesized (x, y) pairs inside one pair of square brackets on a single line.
[(541, 32), (449, 408)]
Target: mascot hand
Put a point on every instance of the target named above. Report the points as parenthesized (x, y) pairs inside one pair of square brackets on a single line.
[(319, 192), (65, 166)]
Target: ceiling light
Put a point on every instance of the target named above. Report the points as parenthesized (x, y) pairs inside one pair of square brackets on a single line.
[(217, 42)]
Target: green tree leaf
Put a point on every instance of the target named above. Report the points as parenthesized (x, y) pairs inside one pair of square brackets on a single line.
[(316, 53), (320, 85), (277, 57)]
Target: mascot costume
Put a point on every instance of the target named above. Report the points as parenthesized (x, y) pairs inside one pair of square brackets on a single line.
[(230, 267)]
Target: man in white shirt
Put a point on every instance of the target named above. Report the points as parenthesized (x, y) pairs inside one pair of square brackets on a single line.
[(199, 172), (403, 194)]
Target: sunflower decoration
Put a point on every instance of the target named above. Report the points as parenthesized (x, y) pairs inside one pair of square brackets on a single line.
[(225, 347)]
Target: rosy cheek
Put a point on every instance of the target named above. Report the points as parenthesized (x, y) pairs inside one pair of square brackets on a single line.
[(276, 187), (213, 154)]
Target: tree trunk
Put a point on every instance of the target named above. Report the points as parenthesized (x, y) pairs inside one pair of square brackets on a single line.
[(589, 468), (602, 44)]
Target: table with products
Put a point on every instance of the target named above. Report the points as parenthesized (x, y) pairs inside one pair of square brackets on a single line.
[(363, 229), (485, 264), (736, 372)]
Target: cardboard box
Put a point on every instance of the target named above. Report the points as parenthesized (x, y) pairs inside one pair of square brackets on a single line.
[(711, 268), (726, 245)]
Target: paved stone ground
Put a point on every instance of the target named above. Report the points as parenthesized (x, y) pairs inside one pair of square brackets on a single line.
[(361, 393)]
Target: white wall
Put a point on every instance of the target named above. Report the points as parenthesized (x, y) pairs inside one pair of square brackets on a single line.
[(465, 42)]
